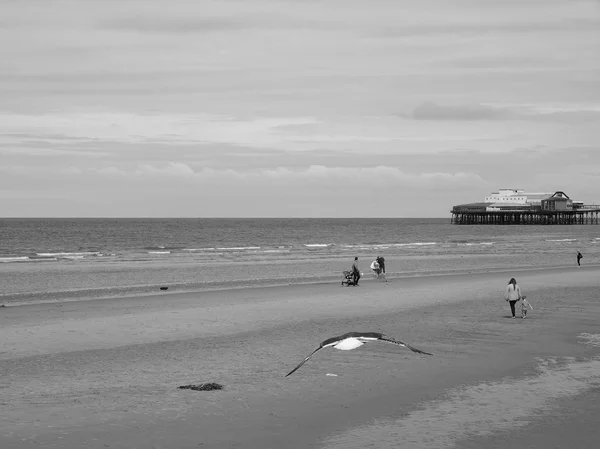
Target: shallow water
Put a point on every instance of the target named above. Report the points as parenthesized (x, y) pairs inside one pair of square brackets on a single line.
[(56, 259), (478, 410)]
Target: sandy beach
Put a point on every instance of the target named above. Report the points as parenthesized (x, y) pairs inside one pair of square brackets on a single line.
[(104, 373)]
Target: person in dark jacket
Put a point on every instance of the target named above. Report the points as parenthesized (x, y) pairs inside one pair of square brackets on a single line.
[(579, 257), (356, 271)]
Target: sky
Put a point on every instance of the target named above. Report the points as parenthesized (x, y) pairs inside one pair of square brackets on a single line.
[(294, 108)]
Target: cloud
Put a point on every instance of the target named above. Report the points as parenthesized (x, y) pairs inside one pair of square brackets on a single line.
[(508, 111), (508, 25), (72, 171), (376, 176), (432, 111), (172, 129), (172, 169), (171, 24), (111, 171), (166, 24)]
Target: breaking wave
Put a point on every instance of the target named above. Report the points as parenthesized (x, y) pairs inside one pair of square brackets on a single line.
[(14, 259), (590, 339), (69, 254)]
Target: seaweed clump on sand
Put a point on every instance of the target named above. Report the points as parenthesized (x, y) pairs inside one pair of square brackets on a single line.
[(202, 387)]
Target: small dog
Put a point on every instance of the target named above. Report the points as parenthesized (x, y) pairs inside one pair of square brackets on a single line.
[(524, 305)]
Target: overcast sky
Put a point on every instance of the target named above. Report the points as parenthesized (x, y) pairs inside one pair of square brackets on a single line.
[(386, 108)]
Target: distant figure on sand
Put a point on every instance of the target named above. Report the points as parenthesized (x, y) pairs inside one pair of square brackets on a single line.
[(579, 257), (524, 305), (512, 294), (381, 262), (356, 271), (376, 269)]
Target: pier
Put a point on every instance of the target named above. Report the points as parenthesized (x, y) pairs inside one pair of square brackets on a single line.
[(581, 217), (515, 207)]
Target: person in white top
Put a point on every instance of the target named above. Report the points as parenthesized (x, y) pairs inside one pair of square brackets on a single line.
[(512, 294), (375, 268)]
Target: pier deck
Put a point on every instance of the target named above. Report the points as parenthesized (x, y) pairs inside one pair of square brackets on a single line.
[(571, 217)]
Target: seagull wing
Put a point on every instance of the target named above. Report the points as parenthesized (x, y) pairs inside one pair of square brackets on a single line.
[(303, 361), (400, 343)]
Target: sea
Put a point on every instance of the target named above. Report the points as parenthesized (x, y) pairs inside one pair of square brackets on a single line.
[(43, 260)]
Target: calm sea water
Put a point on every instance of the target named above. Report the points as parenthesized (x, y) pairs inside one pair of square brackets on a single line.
[(62, 259)]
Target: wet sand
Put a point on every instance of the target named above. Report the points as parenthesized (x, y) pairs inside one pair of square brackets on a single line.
[(104, 373)]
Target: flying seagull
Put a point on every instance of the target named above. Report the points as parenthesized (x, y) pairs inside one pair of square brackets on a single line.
[(353, 340)]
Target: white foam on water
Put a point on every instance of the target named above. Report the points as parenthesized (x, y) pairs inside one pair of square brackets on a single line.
[(387, 245), (238, 248), (69, 254), (159, 252), (590, 339), (478, 410), (14, 259)]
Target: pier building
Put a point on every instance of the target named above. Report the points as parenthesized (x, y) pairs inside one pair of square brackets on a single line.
[(515, 206)]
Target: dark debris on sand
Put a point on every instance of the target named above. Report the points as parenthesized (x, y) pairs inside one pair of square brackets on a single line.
[(202, 387)]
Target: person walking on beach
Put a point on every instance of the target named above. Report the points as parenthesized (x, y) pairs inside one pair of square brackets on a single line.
[(579, 257), (512, 294), (524, 305), (355, 271)]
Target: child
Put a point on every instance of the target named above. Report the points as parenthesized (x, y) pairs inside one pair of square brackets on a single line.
[(375, 267), (524, 305)]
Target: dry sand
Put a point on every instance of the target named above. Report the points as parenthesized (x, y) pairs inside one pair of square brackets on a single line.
[(104, 373)]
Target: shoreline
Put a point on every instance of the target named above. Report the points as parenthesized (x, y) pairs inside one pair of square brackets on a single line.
[(330, 280)]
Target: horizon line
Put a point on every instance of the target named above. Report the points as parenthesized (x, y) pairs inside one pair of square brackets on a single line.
[(213, 218)]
